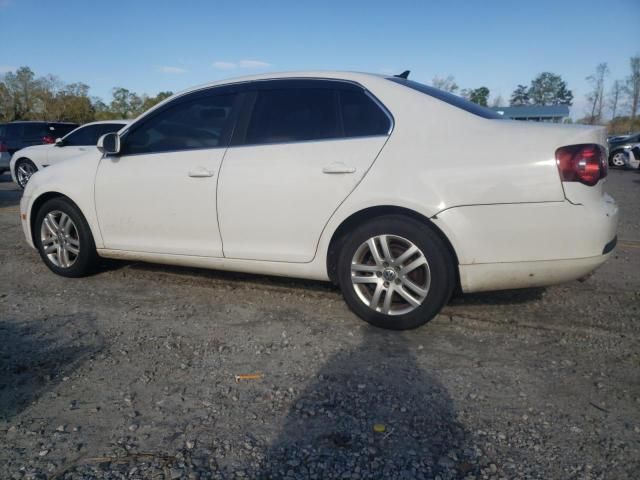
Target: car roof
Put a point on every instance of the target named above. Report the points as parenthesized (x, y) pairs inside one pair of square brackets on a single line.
[(102, 122), (42, 121), (320, 74)]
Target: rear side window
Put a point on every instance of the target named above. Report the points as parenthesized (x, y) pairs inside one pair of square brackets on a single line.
[(449, 98), (185, 125), (293, 115), (31, 130), (12, 131), (361, 116)]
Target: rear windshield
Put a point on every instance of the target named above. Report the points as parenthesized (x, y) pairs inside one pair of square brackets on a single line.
[(449, 98)]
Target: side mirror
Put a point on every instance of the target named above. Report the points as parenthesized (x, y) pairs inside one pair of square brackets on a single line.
[(59, 142), (109, 144)]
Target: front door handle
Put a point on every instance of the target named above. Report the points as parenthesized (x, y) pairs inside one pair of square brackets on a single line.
[(338, 167), (200, 172)]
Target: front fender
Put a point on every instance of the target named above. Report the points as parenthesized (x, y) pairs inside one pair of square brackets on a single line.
[(74, 179)]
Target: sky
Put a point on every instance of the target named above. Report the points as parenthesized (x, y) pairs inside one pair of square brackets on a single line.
[(149, 46)]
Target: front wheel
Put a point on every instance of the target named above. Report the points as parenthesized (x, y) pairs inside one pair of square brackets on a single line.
[(64, 240), (24, 168), (395, 272)]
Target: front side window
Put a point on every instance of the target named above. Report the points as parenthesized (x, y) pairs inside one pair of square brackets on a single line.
[(59, 130), (185, 125), (293, 115)]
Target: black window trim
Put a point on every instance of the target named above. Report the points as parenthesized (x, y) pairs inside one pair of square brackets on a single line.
[(252, 88), (190, 96)]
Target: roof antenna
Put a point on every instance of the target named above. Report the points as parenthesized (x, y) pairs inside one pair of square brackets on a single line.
[(404, 74)]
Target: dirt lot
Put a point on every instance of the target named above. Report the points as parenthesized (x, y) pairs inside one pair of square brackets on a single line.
[(131, 374)]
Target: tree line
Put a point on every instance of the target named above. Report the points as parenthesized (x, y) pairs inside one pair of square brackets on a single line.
[(621, 100), (23, 96)]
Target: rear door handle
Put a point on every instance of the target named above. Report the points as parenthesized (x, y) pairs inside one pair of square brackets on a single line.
[(338, 167), (200, 172)]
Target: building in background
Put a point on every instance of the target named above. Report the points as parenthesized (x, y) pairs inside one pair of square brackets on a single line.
[(549, 113)]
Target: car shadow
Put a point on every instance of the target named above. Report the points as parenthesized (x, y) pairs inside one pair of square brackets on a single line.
[(371, 411), (37, 355), (223, 276), (501, 297)]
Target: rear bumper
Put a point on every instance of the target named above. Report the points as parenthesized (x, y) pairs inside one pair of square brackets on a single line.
[(529, 245), (505, 276)]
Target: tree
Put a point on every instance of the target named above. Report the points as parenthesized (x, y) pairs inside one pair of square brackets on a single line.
[(549, 89), (614, 97), (21, 88), (520, 96), (479, 96), (633, 85), (447, 84), (152, 101), (596, 96), (497, 102)]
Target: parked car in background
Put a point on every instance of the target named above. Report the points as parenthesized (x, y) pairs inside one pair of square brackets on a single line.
[(23, 134), (617, 146), (28, 161), (348, 177), (5, 156), (632, 159)]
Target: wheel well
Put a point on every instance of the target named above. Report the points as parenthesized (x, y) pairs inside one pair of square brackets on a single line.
[(37, 204), (368, 214), (24, 158)]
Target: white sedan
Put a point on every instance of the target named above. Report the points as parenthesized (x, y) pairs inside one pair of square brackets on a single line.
[(29, 160), (397, 192)]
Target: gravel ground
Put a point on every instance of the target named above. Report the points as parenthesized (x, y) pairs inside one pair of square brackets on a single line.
[(131, 374)]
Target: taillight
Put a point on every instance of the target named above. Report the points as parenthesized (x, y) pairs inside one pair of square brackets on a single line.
[(48, 139), (3, 147), (585, 163)]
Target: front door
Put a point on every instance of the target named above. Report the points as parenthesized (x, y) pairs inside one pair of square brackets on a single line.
[(159, 194)]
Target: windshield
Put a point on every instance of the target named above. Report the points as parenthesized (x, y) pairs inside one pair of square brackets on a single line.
[(449, 98)]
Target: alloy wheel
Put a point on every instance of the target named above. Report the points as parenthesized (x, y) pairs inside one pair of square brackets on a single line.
[(618, 159), (390, 274), (24, 171), (59, 239)]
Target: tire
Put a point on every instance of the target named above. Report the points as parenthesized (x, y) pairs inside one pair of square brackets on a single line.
[(617, 159), (24, 169), (65, 230), (410, 243)]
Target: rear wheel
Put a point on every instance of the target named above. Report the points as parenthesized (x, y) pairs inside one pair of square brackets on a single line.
[(25, 168), (617, 159), (64, 240), (395, 272)]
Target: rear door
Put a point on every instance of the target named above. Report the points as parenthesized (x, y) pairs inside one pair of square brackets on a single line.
[(299, 150)]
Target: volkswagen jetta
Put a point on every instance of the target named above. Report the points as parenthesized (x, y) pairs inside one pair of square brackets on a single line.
[(396, 191)]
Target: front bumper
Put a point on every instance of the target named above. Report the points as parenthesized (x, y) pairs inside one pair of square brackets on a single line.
[(25, 205)]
